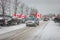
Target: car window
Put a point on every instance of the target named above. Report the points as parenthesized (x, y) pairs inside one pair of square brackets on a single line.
[(30, 18), (1, 17), (7, 17)]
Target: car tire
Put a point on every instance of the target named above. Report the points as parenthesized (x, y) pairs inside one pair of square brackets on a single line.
[(26, 25), (38, 24), (1, 24), (35, 25), (18, 22)]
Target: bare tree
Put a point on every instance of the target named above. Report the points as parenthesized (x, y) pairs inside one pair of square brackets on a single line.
[(16, 4), (33, 11), (3, 5), (22, 6)]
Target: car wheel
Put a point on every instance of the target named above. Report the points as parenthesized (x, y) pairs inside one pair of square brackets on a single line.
[(38, 24), (26, 25), (35, 25), (18, 22), (1, 24), (9, 23)]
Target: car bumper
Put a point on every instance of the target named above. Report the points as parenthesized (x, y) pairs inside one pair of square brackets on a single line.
[(30, 23)]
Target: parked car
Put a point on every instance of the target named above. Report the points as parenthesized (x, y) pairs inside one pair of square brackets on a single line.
[(4, 20), (46, 19), (8, 20), (57, 19), (22, 20), (13, 21), (32, 21)]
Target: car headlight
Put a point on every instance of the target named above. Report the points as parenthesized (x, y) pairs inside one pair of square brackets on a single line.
[(33, 22), (1, 18)]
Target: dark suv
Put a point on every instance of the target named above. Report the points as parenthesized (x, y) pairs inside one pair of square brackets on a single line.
[(4, 19), (57, 19), (8, 20)]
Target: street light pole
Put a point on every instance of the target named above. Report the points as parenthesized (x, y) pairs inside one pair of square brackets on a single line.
[(16, 6)]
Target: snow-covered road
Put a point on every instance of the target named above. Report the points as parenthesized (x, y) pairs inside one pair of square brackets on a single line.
[(31, 33), (51, 32), (9, 31), (6, 32)]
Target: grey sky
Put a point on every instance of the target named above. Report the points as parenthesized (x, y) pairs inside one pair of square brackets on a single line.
[(44, 6)]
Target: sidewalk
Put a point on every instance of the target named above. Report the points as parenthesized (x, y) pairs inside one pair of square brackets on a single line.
[(9, 31)]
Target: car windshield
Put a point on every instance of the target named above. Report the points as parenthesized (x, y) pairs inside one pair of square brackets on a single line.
[(6, 17), (31, 18)]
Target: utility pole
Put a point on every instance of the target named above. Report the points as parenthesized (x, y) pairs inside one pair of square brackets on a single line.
[(22, 5), (3, 9), (16, 4)]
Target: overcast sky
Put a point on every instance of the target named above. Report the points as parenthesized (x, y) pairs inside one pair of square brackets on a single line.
[(44, 6)]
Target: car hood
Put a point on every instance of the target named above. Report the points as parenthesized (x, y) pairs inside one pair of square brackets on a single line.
[(30, 21)]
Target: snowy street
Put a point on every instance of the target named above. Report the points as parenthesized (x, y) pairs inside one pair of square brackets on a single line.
[(47, 31), (11, 30), (29, 19), (29, 33), (51, 32)]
